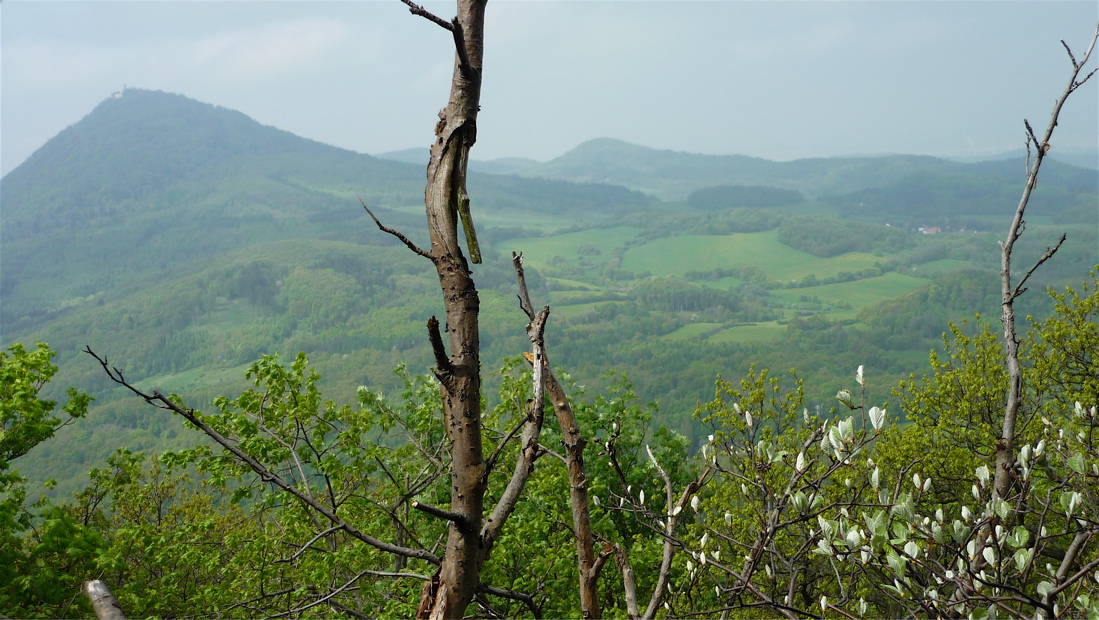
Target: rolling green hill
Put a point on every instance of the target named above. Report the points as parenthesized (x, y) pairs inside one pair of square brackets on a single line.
[(673, 175), (152, 181), (184, 241)]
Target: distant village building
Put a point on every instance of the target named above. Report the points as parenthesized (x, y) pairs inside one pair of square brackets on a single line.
[(932, 230)]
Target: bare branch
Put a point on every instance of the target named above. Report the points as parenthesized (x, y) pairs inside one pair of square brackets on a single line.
[(522, 597), (324, 598), (1005, 451), (528, 445), (468, 71), (458, 520), (524, 294), (442, 360), (160, 401), (503, 443), (1050, 251), (416, 9), (396, 233), (309, 545), (674, 510), (1070, 56)]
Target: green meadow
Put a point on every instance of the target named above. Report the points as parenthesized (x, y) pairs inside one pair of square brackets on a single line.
[(858, 293), (540, 251), (675, 256)]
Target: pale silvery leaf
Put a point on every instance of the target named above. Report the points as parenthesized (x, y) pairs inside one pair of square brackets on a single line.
[(835, 438), (911, 549), (1022, 558), (748, 418), (844, 396), (853, 538), (728, 518), (595, 499), (989, 554), (800, 464), (858, 376), (875, 478), (877, 418), (982, 474)]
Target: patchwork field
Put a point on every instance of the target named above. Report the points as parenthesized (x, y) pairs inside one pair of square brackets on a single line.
[(540, 251), (573, 264), (858, 293), (675, 256)]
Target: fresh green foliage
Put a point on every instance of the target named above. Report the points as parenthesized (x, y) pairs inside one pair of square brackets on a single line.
[(39, 563), (25, 419), (825, 237), (860, 517)]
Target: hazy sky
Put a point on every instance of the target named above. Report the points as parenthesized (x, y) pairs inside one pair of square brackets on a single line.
[(778, 79)]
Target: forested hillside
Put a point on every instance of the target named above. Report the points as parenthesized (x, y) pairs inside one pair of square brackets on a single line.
[(184, 242)]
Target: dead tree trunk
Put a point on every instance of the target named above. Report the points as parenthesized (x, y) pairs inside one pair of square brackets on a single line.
[(104, 603), (589, 565), (459, 371), (1005, 447)]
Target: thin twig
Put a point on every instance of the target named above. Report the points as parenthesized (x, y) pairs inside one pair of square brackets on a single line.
[(1050, 251), (416, 9), (522, 597), (524, 294), (323, 599), (309, 545), (396, 233)]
